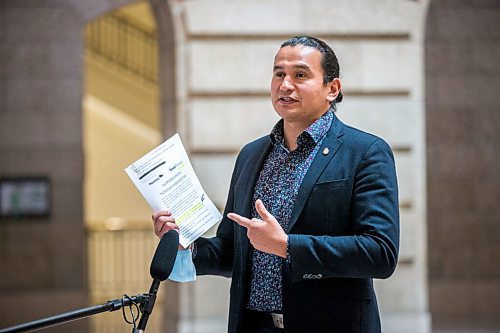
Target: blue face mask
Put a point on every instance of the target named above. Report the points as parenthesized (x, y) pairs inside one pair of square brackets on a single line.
[(184, 270)]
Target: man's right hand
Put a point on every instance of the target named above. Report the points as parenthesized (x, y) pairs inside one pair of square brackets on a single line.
[(163, 223)]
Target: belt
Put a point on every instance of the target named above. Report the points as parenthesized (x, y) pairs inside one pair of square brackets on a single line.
[(266, 319)]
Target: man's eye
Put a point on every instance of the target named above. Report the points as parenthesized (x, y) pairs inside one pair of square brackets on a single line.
[(279, 74), (301, 75)]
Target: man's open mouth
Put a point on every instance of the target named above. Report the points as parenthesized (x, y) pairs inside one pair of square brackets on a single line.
[(287, 100)]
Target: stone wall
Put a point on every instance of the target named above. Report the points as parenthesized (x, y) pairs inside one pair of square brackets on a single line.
[(228, 48), (463, 139)]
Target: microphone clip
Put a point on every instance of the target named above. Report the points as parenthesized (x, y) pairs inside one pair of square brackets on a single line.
[(147, 303)]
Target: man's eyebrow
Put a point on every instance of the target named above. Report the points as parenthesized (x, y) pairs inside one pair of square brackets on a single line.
[(278, 67), (302, 67)]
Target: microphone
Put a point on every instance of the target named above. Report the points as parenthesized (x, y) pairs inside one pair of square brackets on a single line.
[(164, 257), (160, 269)]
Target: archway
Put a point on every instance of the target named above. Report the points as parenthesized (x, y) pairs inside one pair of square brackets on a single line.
[(41, 132), (123, 60)]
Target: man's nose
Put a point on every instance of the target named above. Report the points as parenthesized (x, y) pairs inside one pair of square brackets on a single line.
[(287, 84)]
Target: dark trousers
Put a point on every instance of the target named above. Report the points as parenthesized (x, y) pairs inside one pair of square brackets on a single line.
[(259, 322)]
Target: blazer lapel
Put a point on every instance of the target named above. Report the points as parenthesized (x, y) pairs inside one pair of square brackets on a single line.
[(250, 174), (321, 160)]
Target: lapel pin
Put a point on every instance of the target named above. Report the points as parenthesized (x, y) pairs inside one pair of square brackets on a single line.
[(326, 151)]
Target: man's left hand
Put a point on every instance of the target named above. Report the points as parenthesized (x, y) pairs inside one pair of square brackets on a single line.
[(265, 234)]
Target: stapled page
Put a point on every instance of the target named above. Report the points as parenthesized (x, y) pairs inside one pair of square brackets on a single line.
[(166, 179)]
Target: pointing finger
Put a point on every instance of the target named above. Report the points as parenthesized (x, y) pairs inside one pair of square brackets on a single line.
[(243, 221)]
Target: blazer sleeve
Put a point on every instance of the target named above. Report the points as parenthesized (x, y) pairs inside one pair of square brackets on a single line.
[(370, 250)]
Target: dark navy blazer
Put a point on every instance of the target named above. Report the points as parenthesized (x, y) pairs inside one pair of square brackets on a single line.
[(343, 232)]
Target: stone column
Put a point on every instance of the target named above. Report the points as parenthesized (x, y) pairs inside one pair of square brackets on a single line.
[(463, 126), (42, 261)]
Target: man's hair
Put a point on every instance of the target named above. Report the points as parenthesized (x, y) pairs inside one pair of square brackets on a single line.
[(329, 63)]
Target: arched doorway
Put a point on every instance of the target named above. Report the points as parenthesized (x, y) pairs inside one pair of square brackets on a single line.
[(122, 121), (44, 260)]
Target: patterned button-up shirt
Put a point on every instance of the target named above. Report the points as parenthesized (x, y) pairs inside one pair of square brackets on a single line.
[(277, 187)]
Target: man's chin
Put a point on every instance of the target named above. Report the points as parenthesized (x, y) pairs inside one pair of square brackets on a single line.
[(283, 110), (287, 114)]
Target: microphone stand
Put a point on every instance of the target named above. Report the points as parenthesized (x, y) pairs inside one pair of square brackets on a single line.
[(161, 267), (109, 306), (147, 306)]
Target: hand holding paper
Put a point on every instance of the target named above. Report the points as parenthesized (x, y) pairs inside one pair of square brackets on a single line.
[(167, 181), (163, 223)]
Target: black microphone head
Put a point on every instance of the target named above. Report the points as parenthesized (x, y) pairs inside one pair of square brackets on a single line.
[(164, 258)]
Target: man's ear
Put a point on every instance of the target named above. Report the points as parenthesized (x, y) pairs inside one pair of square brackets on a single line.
[(335, 87)]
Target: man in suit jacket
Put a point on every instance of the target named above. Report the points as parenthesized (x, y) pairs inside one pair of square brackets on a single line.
[(312, 211)]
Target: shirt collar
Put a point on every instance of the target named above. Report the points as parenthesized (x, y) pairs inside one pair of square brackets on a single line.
[(315, 131)]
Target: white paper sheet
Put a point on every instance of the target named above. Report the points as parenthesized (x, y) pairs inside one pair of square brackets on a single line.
[(167, 181)]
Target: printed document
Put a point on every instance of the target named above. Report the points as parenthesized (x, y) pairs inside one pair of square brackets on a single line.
[(167, 181)]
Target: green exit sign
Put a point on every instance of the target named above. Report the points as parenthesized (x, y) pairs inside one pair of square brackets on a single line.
[(25, 197)]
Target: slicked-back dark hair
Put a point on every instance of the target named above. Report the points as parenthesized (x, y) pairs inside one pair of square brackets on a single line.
[(329, 63)]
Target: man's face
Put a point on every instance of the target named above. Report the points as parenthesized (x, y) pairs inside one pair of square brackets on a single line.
[(297, 90)]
